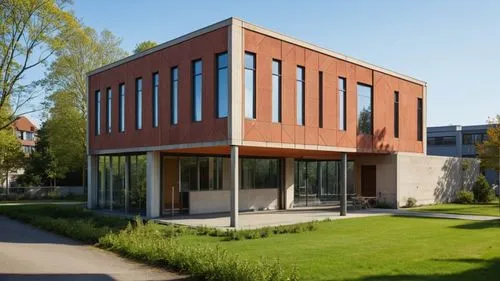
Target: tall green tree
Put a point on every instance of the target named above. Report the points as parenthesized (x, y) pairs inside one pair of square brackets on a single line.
[(11, 155), (30, 32), (489, 150), (143, 46), (84, 51)]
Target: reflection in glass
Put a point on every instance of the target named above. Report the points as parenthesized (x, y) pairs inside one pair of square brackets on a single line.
[(364, 109), (197, 90), (222, 86), (174, 95), (249, 85), (300, 95), (276, 95)]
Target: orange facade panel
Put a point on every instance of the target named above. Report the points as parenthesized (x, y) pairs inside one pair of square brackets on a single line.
[(325, 132)]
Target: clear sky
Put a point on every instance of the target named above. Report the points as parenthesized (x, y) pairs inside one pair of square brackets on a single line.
[(452, 45)]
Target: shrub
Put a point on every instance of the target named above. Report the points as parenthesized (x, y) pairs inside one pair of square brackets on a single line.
[(483, 193), (465, 197), (411, 202)]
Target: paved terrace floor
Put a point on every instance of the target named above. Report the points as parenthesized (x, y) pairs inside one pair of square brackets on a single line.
[(252, 220)]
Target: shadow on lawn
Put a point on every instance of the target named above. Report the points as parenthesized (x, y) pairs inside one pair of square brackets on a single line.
[(479, 225), (490, 270)]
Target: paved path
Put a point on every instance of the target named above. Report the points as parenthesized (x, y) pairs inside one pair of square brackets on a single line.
[(28, 254)]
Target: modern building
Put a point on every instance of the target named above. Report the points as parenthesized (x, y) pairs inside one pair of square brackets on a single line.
[(459, 141), (234, 117), (25, 132)]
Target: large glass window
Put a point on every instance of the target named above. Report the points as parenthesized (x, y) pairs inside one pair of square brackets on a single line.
[(121, 108), (300, 95), (342, 104), (396, 114), (109, 108), (138, 103), (222, 86), (250, 85), (365, 109), (276, 100), (260, 173), (156, 88), (97, 113), (420, 119), (197, 89), (201, 173), (174, 98), (137, 189)]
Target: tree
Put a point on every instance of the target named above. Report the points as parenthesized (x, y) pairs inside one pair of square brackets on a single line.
[(11, 155), (30, 32), (489, 150), (143, 46), (85, 50)]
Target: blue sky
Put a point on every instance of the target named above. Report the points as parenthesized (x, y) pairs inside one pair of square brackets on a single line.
[(453, 45)]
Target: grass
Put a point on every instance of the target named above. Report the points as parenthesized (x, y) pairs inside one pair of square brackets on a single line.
[(361, 249), (485, 209)]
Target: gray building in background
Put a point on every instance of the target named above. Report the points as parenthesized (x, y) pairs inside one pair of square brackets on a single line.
[(458, 141)]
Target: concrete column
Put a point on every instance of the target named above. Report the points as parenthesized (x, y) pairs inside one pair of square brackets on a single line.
[(343, 187), (235, 53), (153, 183), (234, 185), (92, 171), (289, 182)]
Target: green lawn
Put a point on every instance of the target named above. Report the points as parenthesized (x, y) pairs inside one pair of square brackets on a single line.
[(488, 209), (382, 248)]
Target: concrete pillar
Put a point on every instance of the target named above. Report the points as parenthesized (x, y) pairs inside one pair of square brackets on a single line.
[(234, 185), (289, 182), (153, 184), (343, 187), (92, 171)]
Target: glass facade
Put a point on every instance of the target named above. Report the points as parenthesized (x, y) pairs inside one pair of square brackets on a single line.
[(222, 86), (319, 182), (201, 173), (342, 104), (138, 103), (197, 89), (250, 85), (276, 99), (365, 114), (174, 98), (156, 86), (300, 95), (260, 173), (121, 108), (118, 190)]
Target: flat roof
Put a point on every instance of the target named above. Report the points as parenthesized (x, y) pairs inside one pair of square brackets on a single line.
[(255, 28)]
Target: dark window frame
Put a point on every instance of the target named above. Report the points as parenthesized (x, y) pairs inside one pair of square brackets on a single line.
[(254, 78), (217, 86), (371, 108), (280, 90), (303, 88), (109, 109), (155, 98), (97, 117), (396, 114), (420, 117), (138, 109), (320, 93), (193, 90), (174, 114), (343, 92), (121, 107)]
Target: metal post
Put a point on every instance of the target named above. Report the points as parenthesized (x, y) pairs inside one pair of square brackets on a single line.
[(343, 192)]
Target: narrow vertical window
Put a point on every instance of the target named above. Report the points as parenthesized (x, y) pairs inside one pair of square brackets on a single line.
[(138, 103), (396, 114), (250, 85), (365, 114), (121, 108), (300, 95), (197, 89), (156, 84), (97, 113), (276, 100), (174, 74), (109, 108), (320, 92), (420, 119), (342, 104), (222, 85)]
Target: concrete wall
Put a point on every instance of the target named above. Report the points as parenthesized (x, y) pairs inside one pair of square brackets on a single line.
[(203, 202), (433, 179)]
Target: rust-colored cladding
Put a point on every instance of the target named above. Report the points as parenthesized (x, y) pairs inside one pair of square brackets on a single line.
[(203, 47), (262, 129)]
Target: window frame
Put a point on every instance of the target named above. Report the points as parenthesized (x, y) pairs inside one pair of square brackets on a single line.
[(320, 94), (302, 82), (97, 117), (109, 109), (155, 96), (371, 109), (420, 119), (193, 90), (217, 86), (138, 103), (254, 82), (280, 91), (396, 114), (174, 114), (121, 107), (342, 92)]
